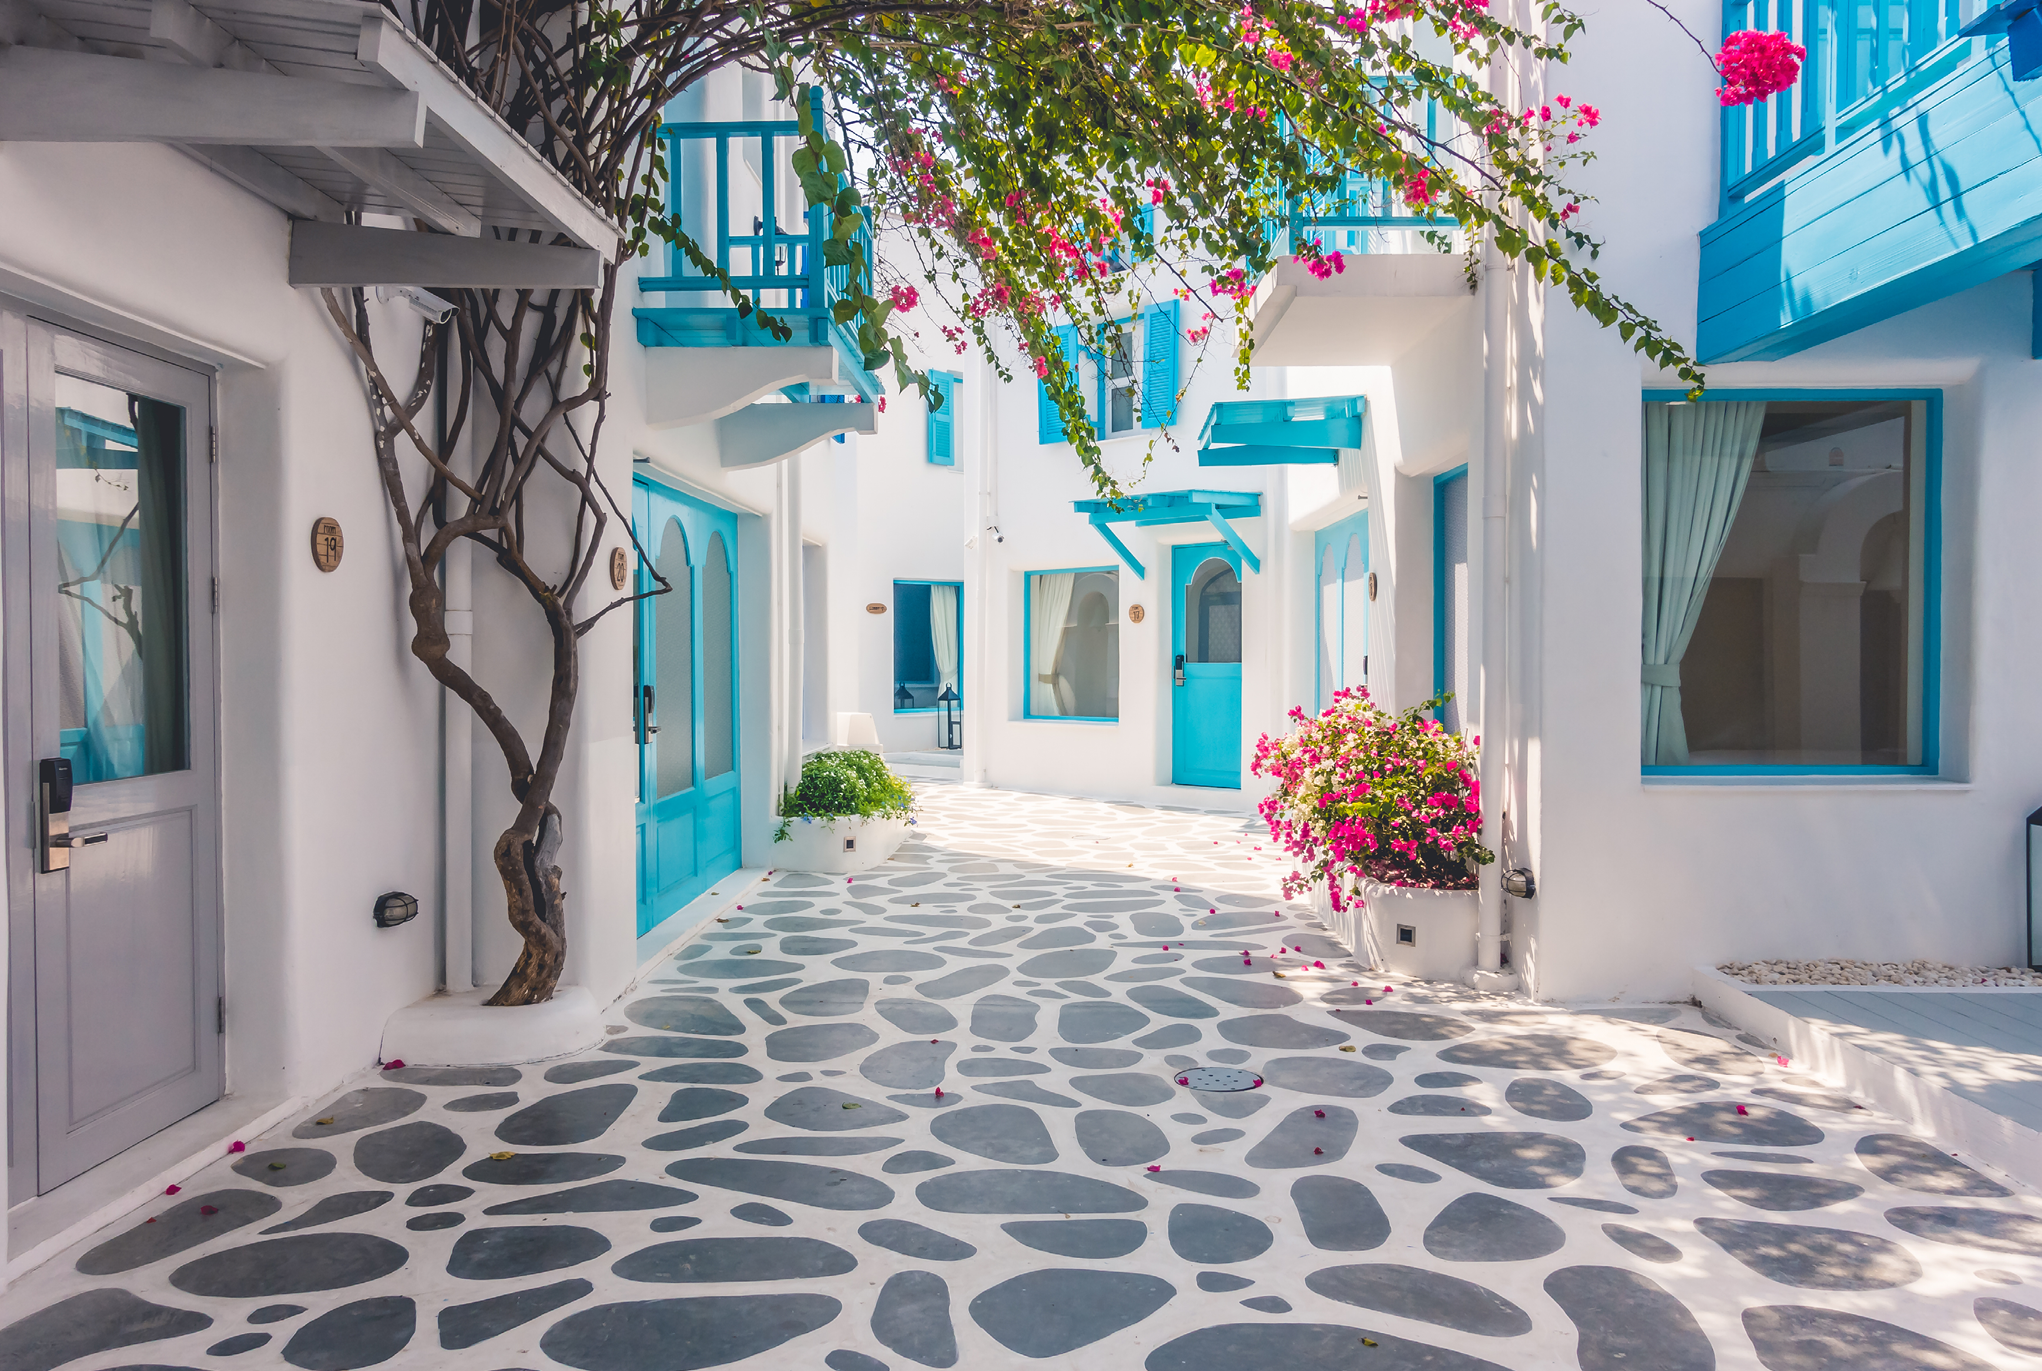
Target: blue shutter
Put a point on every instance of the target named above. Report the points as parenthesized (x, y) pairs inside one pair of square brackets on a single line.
[(1159, 364), (943, 422), (1049, 421)]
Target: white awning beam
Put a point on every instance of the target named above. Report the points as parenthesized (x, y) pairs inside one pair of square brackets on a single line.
[(74, 97), (346, 255)]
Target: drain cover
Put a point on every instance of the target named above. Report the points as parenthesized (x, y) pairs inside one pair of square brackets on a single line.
[(1219, 1079)]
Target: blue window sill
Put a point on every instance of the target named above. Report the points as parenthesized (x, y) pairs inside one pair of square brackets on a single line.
[(1865, 777)]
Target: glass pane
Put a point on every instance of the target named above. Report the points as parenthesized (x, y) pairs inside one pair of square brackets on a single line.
[(1212, 614), (1804, 643), (914, 648), (1088, 663), (673, 657), (122, 678), (719, 658)]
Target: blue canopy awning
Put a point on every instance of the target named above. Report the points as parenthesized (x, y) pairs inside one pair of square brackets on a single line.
[(1264, 433), (1213, 507)]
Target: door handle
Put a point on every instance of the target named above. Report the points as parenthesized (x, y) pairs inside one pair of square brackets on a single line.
[(80, 840), (53, 814), (1178, 670)]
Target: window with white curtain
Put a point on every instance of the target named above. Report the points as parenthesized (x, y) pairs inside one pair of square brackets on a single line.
[(1072, 653), (928, 633), (1788, 583)]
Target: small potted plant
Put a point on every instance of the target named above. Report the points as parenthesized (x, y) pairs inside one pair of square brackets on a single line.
[(848, 813), (1383, 813)]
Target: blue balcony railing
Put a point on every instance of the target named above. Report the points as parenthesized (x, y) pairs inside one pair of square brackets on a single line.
[(1866, 58), (1344, 220), (735, 191)]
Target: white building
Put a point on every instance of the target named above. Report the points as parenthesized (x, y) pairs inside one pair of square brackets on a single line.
[(1447, 496)]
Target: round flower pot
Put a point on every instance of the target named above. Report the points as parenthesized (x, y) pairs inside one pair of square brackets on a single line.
[(838, 846), (1426, 934)]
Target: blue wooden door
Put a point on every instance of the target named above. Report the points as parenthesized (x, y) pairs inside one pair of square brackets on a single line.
[(1205, 649), (686, 700)]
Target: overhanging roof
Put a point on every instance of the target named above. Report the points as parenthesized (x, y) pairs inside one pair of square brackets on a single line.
[(1261, 433), (1213, 507), (318, 106)]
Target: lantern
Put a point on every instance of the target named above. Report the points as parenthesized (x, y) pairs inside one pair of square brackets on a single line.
[(950, 720)]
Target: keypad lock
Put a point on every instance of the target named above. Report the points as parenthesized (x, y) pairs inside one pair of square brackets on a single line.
[(1178, 672)]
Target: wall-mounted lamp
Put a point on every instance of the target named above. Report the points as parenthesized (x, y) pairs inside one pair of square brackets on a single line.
[(1518, 881), (395, 908)]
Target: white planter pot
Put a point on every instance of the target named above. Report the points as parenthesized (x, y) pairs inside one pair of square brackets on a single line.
[(1426, 934), (838, 846), (1349, 923)]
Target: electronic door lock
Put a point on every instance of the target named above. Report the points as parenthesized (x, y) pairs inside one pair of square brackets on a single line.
[(1178, 671), (53, 814)]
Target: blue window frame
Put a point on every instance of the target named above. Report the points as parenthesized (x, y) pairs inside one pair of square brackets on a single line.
[(1792, 583), (1071, 644), (1134, 371), (1451, 593), (943, 421), (928, 644)]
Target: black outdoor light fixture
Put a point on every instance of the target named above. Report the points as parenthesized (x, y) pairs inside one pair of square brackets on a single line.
[(903, 698), (395, 908), (950, 723), (2034, 895)]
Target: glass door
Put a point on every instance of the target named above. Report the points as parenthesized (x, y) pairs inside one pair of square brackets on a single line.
[(120, 950)]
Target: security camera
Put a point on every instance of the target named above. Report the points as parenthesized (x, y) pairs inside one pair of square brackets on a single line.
[(423, 303)]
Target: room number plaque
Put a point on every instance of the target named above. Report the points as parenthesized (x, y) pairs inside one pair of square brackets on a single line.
[(1135, 614), (327, 544), (620, 567)]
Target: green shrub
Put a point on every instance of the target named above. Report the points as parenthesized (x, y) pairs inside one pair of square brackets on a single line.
[(845, 785)]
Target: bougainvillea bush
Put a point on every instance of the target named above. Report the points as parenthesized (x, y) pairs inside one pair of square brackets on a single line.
[(1361, 790)]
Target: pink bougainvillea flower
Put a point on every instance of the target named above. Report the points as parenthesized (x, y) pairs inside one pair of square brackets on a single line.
[(397, 1065), (1756, 65), (1318, 1113), (237, 1146), (1155, 1168), (939, 1092), (172, 1189), (1320, 965), (208, 1210), (1742, 1110)]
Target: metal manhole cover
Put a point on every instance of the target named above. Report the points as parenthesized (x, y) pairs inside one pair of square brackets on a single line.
[(1218, 1079)]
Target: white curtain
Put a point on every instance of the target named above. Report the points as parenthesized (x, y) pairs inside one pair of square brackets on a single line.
[(1049, 607), (1697, 461), (943, 634)]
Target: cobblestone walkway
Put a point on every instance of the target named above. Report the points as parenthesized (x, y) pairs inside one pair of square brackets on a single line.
[(939, 1116)]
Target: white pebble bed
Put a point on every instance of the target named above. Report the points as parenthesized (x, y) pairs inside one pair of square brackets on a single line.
[(1845, 971)]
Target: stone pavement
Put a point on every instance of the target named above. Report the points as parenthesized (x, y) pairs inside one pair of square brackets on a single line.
[(941, 1115)]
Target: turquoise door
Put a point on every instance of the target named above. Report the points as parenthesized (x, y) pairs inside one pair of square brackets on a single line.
[(1205, 666), (686, 700)]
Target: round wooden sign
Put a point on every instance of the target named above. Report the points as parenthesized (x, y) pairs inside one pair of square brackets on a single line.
[(327, 544), (875, 608), (1371, 585), (620, 567), (1135, 614)]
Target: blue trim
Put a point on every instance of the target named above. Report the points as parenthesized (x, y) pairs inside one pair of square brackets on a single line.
[(1028, 646), (1213, 507), (1281, 432), (898, 582), (1932, 586), (1439, 589)]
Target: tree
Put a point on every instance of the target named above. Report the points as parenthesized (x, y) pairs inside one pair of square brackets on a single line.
[(1020, 143)]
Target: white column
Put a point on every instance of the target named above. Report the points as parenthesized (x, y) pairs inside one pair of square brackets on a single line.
[(791, 624)]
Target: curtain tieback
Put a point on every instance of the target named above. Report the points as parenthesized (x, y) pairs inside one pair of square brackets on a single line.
[(1047, 680), (1666, 674)]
